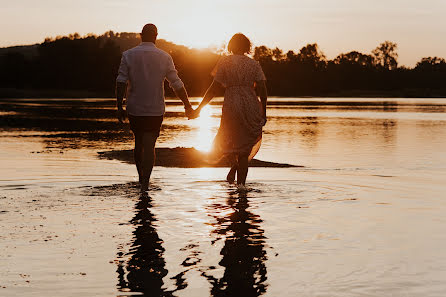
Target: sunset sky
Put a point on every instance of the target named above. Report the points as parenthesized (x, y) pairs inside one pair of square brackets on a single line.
[(418, 27)]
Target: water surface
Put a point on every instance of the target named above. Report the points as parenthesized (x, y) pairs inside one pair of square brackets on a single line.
[(364, 217)]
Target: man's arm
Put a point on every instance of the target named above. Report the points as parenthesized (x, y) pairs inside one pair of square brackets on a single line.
[(177, 85), (182, 94), (121, 89)]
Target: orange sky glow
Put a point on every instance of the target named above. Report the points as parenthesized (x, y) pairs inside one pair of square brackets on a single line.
[(418, 27)]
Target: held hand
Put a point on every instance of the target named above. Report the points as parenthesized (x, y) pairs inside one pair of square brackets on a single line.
[(195, 114), (121, 114), (192, 114), (188, 111)]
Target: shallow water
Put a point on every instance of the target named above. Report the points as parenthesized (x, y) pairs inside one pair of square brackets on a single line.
[(364, 217)]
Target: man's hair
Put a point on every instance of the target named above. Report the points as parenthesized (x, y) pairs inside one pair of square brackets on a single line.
[(239, 43), (149, 32)]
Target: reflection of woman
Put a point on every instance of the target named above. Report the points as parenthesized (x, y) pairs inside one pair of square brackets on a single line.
[(243, 114), (243, 254)]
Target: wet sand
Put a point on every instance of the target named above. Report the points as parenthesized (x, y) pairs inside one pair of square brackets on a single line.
[(184, 158)]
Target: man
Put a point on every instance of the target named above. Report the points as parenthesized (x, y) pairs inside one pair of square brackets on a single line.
[(142, 73)]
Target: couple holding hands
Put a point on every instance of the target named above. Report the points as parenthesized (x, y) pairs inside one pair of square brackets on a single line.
[(142, 72)]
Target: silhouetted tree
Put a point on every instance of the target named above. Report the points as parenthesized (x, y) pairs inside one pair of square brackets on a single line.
[(291, 57), (263, 54), (431, 64), (14, 71), (386, 56), (278, 54), (354, 58), (90, 63), (311, 55)]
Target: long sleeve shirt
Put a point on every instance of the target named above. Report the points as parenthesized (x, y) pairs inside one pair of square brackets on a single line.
[(145, 67)]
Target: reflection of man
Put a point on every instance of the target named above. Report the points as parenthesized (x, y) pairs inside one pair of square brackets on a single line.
[(144, 68), (146, 267)]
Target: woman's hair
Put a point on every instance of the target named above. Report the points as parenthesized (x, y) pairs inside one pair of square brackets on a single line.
[(239, 43)]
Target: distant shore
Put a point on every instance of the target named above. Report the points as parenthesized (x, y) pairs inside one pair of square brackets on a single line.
[(9, 93)]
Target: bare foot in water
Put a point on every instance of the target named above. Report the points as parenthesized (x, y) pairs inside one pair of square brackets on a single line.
[(242, 189), (144, 186)]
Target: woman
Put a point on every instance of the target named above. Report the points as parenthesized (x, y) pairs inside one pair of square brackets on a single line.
[(243, 114)]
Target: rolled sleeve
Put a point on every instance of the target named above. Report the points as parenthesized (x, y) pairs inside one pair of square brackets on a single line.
[(259, 75), (123, 72), (219, 71), (172, 75)]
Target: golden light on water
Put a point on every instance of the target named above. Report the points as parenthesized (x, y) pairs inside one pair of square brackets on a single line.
[(204, 136)]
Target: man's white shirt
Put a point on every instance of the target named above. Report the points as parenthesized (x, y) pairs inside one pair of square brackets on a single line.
[(145, 67)]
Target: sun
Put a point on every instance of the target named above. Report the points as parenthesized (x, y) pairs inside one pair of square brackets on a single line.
[(201, 36), (203, 29)]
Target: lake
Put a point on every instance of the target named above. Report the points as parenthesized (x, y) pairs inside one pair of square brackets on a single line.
[(364, 216)]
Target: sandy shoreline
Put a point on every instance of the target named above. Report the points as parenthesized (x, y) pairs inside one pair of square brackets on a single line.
[(182, 157)]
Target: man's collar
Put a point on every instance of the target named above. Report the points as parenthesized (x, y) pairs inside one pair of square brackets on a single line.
[(148, 43)]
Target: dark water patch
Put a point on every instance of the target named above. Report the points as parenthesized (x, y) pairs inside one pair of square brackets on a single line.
[(131, 189), (14, 187), (61, 111), (380, 175), (86, 140), (57, 124)]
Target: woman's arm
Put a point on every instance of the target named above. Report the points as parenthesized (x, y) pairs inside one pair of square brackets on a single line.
[(211, 92), (263, 94)]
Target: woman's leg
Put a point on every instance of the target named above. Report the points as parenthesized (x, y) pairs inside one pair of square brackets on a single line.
[(230, 178), (242, 170)]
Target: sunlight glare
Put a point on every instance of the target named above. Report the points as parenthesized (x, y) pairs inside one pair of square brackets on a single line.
[(204, 136), (209, 30)]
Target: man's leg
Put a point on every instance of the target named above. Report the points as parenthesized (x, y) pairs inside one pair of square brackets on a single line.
[(148, 140), (138, 154)]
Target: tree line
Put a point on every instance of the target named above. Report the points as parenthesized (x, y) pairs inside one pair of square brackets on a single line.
[(86, 66)]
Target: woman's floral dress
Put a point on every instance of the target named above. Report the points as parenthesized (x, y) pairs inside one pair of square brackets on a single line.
[(242, 117)]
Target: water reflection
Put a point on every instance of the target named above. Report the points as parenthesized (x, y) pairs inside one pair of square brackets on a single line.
[(389, 106), (310, 130), (145, 269), (389, 131), (243, 253)]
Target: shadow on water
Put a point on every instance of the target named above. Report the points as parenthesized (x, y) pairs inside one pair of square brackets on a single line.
[(243, 253), (142, 269)]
